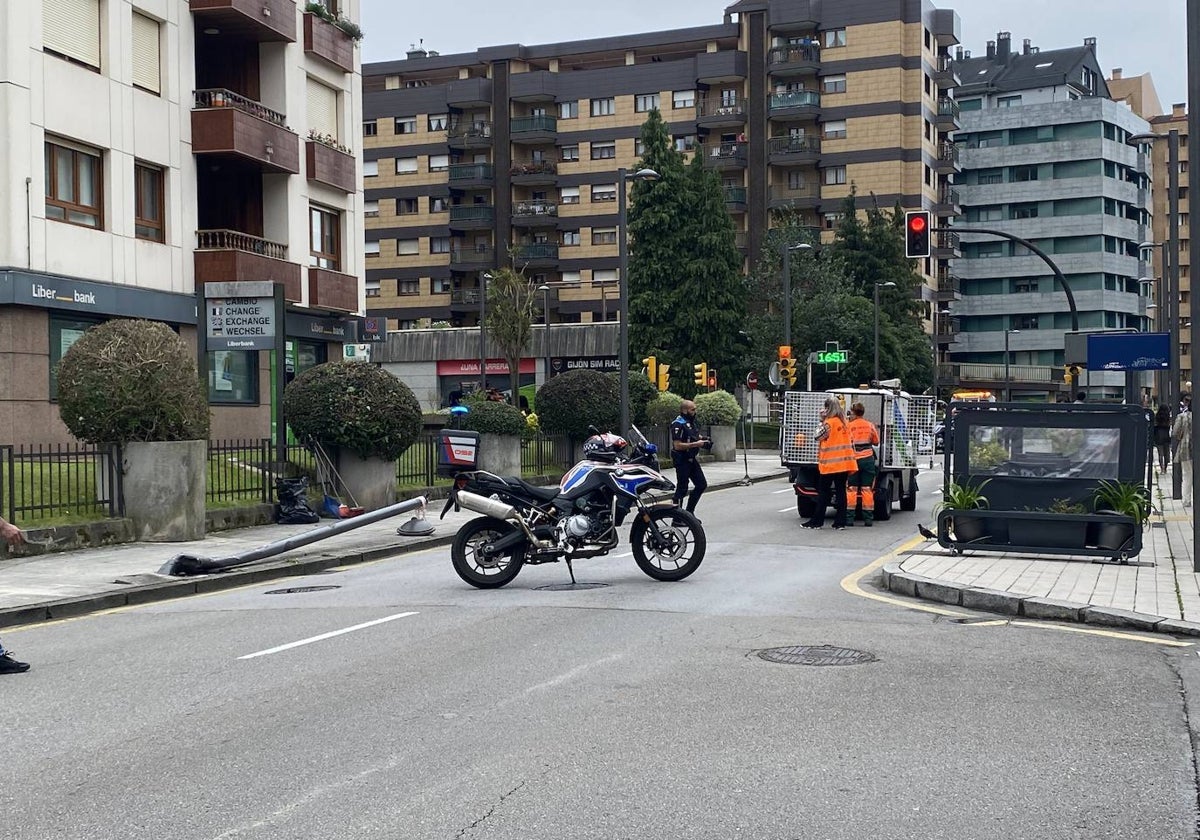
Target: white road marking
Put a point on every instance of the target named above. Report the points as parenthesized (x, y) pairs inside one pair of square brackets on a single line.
[(626, 554), (324, 636), (788, 489), (787, 510), (578, 669)]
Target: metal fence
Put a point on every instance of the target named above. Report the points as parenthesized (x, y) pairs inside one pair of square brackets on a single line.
[(547, 455), (240, 471), (67, 481)]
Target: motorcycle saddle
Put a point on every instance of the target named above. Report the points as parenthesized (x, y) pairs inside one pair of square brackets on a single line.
[(544, 494)]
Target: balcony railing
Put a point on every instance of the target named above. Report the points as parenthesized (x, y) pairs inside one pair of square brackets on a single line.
[(538, 251), (948, 284), (533, 167), (541, 122), (794, 54), (795, 99), (945, 63), (464, 297), (948, 152), (478, 255), (1016, 373), (947, 326), (721, 107), (948, 107), (222, 98), (471, 213), (947, 240), (807, 144), (735, 195), (481, 129), (233, 240), (471, 171), (949, 195), (535, 208)]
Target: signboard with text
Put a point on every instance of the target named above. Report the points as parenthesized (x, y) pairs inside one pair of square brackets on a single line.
[(240, 316), (1128, 351), (604, 364)]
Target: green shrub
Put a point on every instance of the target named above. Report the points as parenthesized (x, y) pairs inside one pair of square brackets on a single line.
[(717, 408), (353, 406), (572, 401), (663, 409), (494, 418), (128, 380), (641, 392)]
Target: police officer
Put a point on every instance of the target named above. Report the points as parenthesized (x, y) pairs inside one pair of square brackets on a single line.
[(686, 443)]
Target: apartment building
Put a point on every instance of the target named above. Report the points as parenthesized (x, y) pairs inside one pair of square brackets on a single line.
[(793, 102), (1045, 157), (154, 146)]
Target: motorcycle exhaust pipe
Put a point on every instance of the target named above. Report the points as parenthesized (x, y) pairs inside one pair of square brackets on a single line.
[(486, 506)]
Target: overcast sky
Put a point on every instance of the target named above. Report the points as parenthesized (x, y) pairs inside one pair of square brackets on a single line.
[(1137, 37)]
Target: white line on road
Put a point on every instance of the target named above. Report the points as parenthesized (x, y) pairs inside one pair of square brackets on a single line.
[(626, 554), (578, 669), (324, 636), (788, 489), (787, 509)]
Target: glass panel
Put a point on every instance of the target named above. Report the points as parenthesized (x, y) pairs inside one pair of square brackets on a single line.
[(233, 376), (87, 179), (64, 176), (1021, 452)]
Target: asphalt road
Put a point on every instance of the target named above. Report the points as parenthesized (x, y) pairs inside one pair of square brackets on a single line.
[(634, 710)]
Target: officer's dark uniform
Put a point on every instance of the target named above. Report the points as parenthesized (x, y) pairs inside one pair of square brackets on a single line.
[(687, 465)]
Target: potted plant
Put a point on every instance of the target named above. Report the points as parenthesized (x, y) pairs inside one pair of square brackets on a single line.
[(500, 426), (365, 416), (134, 384), (1122, 498), (964, 497), (1059, 525), (720, 411)]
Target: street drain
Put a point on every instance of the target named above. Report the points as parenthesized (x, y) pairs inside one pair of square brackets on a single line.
[(297, 590), (569, 587), (816, 655)]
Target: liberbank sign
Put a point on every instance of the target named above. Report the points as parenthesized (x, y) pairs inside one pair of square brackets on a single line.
[(48, 291)]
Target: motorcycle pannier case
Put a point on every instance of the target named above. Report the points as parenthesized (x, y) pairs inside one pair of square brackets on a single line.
[(457, 452)]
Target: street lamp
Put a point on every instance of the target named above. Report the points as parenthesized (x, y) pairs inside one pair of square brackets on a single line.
[(888, 285), (624, 175), (1007, 384), (483, 278), (787, 288), (545, 290)]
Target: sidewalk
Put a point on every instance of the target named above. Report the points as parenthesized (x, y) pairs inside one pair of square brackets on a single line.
[(1156, 591), (52, 586)]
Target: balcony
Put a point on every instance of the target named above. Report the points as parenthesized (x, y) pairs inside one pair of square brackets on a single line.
[(469, 93), (947, 329), (947, 159), (946, 245), (534, 172), (469, 135), (535, 214), (332, 167), (804, 150), (721, 112), (722, 156), (797, 104), (470, 260), (735, 199), (945, 73), (468, 176), (721, 67), (948, 203), (949, 287), (534, 130), (948, 114), (537, 255), (230, 125), (741, 241), (794, 60), (807, 197), (464, 299), (257, 20), (332, 290), (472, 216), (329, 43), (224, 256)]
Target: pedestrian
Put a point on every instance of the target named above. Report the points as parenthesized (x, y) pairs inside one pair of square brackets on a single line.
[(1080, 398), (1162, 436), (12, 535), (835, 462), (861, 493), (1181, 437), (686, 443)]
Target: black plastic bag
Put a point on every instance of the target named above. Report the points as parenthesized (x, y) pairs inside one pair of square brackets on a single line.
[(291, 507)]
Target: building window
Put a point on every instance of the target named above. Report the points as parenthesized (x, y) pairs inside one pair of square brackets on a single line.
[(72, 30), (989, 214), (990, 176), (371, 209), (408, 247), (1007, 101), (440, 287), (1025, 322), (832, 220), (604, 107), (146, 56), (406, 166), (325, 247), (928, 86), (408, 287), (439, 244), (370, 128), (438, 122), (64, 332), (604, 192), (1025, 173), (683, 99), (74, 185), (1024, 211), (406, 125), (795, 179), (439, 204), (569, 195), (834, 84), (406, 206), (645, 102), (570, 237), (1024, 285), (370, 168), (148, 202), (233, 376), (439, 163), (975, 104), (604, 236), (835, 130), (686, 143), (568, 110), (835, 175), (371, 249), (373, 289), (834, 38), (604, 151), (323, 110), (570, 153)]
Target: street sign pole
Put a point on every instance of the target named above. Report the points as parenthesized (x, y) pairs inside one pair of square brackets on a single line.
[(280, 375)]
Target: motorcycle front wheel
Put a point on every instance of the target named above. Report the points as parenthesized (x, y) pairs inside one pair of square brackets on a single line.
[(670, 546), (475, 564)]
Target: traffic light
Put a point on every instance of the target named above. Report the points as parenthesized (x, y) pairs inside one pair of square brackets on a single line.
[(700, 376), (712, 378), (650, 368), (787, 365), (916, 234), (664, 378)]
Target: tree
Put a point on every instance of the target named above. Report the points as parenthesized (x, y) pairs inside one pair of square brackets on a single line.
[(511, 299)]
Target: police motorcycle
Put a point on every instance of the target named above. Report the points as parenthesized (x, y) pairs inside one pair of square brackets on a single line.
[(525, 524)]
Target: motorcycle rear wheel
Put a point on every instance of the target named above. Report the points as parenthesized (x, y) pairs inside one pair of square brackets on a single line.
[(473, 565), (683, 545)]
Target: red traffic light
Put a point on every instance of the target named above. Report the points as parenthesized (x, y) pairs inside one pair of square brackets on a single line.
[(916, 223), (917, 234)]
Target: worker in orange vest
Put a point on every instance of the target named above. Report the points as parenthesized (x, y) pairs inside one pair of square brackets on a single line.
[(835, 462), (864, 437)]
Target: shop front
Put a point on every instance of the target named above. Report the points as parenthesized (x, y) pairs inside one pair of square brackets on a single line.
[(459, 377)]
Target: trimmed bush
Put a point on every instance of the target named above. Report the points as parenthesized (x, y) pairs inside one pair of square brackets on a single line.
[(127, 380), (354, 406), (494, 418), (572, 401), (663, 409), (641, 392), (717, 408)]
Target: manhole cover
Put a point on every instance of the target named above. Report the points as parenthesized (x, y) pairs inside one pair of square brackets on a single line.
[(816, 655), (570, 587), (297, 590)]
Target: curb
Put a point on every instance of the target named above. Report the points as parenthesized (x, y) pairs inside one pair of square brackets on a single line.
[(895, 579), (274, 570)]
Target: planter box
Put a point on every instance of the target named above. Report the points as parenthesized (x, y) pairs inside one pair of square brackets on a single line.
[(1040, 532), (500, 454), (371, 482), (326, 165), (724, 440), (325, 41), (164, 487)]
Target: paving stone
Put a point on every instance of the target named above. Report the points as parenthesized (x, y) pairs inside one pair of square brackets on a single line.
[(1053, 610), (1113, 617), (991, 600)]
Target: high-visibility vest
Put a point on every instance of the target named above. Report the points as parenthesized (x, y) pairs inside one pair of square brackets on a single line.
[(864, 436), (836, 454)]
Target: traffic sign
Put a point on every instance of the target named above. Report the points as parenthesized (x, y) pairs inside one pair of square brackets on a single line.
[(833, 357), (752, 381)]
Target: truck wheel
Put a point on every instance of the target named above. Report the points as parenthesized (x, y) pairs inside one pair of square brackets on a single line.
[(883, 501), (805, 506), (909, 502)]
